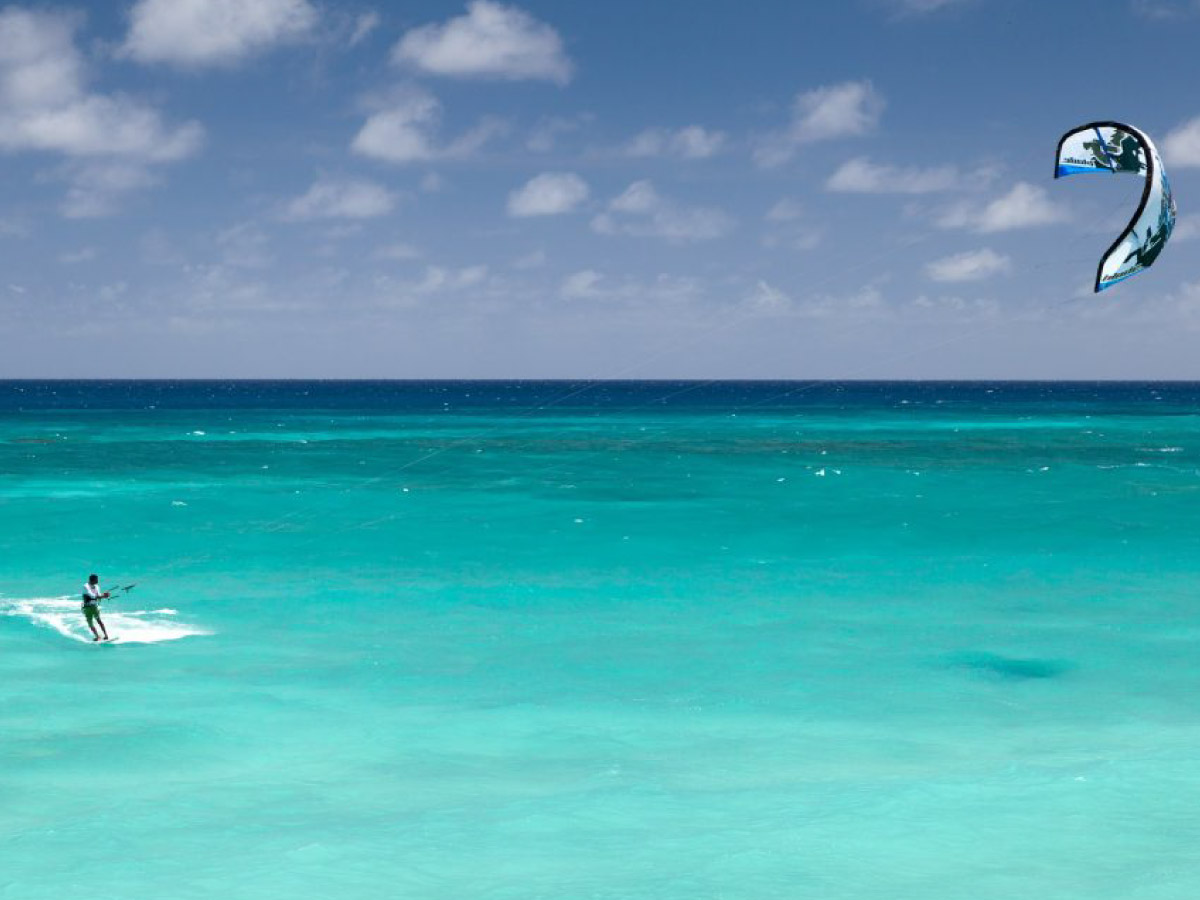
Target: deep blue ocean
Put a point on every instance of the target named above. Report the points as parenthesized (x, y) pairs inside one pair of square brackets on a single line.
[(601, 640)]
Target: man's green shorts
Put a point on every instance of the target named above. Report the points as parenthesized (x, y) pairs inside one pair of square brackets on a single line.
[(91, 611)]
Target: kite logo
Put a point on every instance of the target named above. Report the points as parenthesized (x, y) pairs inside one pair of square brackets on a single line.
[(1121, 153)]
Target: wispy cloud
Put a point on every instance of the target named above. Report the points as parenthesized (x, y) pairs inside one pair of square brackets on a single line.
[(923, 7), (581, 285), (548, 194), (491, 41), (341, 198), (13, 228), (1187, 228), (545, 134), (640, 211), (438, 279), (245, 246), (766, 298), (45, 103), (788, 228), (974, 265), (786, 210), (1181, 146), (1165, 9), (660, 291), (75, 257), (364, 24), (861, 176), (692, 142), (398, 252), (1024, 206), (199, 33), (533, 260), (98, 187), (403, 128), (111, 141), (849, 109)]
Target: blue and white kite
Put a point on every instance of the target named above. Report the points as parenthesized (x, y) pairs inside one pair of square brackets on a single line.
[(1115, 148)]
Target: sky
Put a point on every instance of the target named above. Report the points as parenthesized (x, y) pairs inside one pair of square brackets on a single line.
[(555, 189)]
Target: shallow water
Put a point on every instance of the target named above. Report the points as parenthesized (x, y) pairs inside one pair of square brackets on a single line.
[(655, 640)]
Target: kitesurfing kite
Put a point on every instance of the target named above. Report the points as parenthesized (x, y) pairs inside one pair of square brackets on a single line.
[(1116, 148)]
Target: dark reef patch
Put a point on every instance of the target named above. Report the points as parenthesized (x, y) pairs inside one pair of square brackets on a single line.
[(1010, 668)]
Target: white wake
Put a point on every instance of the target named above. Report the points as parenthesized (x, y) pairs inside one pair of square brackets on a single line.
[(63, 615)]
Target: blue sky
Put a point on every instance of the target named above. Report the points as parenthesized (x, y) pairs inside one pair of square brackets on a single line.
[(297, 188)]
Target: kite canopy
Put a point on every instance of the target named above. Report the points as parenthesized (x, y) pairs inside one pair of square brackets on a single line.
[(1113, 148)]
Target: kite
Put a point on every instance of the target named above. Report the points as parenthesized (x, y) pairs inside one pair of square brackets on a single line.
[(1116, 148)]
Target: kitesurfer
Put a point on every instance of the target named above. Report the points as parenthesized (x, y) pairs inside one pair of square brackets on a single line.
[(92, 595)]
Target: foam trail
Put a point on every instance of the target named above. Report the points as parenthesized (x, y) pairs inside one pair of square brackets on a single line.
[(135, 627)]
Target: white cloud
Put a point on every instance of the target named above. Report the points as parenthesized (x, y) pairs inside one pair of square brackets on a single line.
[(12, 228), (849, 109), (403, 129), (1181, 147), (491, 40), (767, 298), (438, 279), (75, 257), (471, 284), (865, 303), (96, 125), (112, 291), (245, 246), (660, 292), (804, 239), (340, 231), (1187, 228), (1025, 206), (641, 212), (111, 142), (534, 260), (97, 188), (471, 142), (45, 105), (786, 210), (1166, 9), (923, 7), (861, 176), (548, 194), (346, 198), (399, 252), (787, 228), (692, 142), (581, 285), (543, 137), (156, 249), (196, 33), (974, 265), (639, 197), (364, 24)]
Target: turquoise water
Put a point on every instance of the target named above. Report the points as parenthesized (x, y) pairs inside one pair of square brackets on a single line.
[(626, 640)]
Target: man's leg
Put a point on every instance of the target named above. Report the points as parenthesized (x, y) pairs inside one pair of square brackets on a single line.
[(102, 628)]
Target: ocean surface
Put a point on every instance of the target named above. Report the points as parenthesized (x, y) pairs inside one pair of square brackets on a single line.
[(617, 640)]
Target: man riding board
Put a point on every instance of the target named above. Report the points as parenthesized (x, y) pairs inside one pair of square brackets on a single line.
[(92, 595)]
